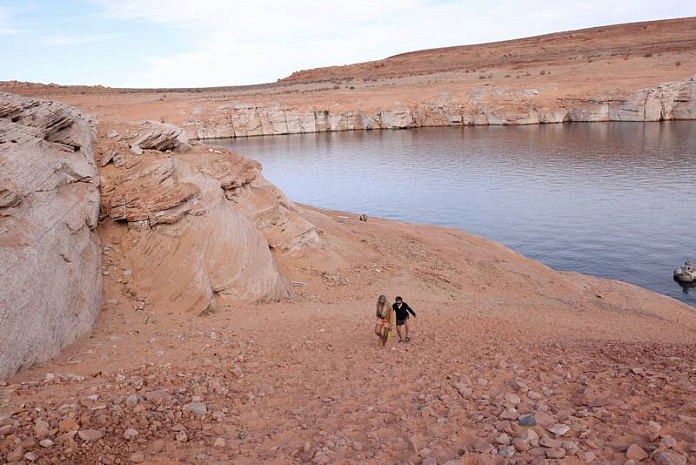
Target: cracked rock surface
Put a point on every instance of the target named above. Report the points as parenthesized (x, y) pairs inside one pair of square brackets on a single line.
[(50, 285)]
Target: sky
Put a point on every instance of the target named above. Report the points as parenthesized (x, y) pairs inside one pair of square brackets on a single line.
[(201, 43)]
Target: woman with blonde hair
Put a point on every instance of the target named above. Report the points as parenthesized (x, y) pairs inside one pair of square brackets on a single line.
[(385, 319)]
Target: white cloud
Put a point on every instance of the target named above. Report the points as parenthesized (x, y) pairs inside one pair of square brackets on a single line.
[(251, 41)]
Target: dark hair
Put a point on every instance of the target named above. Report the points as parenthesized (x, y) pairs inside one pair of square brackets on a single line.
[(399, 299)]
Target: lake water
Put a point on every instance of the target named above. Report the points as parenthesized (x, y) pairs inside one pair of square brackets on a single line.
[(616, 200)]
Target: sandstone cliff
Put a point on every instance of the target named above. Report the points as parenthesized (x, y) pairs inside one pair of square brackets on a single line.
[(481, 106), (50, 284)]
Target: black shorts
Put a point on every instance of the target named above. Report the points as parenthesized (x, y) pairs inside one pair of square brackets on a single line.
[(400, 322)]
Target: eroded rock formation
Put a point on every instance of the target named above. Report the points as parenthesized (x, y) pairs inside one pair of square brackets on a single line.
[(192, 219), (480, 106), (50, 283)]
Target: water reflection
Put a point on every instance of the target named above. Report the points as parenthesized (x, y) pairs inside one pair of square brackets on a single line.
[(613, 199)]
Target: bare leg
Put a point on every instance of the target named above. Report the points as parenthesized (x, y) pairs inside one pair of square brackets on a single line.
[(406, 329), (385, 337), (378, 329), (398, 331)]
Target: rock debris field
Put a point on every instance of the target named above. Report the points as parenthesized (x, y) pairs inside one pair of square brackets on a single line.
[(304, 381)]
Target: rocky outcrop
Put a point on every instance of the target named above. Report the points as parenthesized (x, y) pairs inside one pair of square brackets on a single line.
[(156, 136), (194, 222), (670, 101), (50, 285), (262, 202), (483, 106)]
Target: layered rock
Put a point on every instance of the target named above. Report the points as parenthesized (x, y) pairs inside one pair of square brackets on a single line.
[(192, 221), (50, 285), (482, 106), (259, 200)]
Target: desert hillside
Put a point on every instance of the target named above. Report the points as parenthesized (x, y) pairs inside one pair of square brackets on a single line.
[(675, 38), (630, 72)]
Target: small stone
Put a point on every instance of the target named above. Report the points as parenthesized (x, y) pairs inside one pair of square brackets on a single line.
[(526, 420), (463, 390), (570, 446), (668, 442), (519, 384), (513, 399), (556, 453), (157, 395), (46, 443), (654, 426), (90, 435), (654, 431), (534, 395), (219, 443), (241, 435), (66, 438), (635, 452), (138, 457), (41, 429), (530, 436), (197, 408), (68, 425), (321, 458), (7, 429), (357, 446), (181, 436), (425, 452), (551, 443), (31, 456), (130, 433), (521, 445), (558, 429), (669, 458), (414, 444), (544, 419), (504, 440), (506, 451), (589, 457), (16, 455), (429, 461), (630, 462), (509, 414)]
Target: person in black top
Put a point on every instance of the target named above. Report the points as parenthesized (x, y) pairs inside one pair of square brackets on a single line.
[(402, 311)]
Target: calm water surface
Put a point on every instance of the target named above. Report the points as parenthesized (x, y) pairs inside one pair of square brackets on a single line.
[(616, 200)]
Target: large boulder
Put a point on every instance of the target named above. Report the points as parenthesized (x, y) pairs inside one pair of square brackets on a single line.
[(50, 285), (191, 221)]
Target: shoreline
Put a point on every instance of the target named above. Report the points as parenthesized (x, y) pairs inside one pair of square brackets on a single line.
[(461, 126)]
